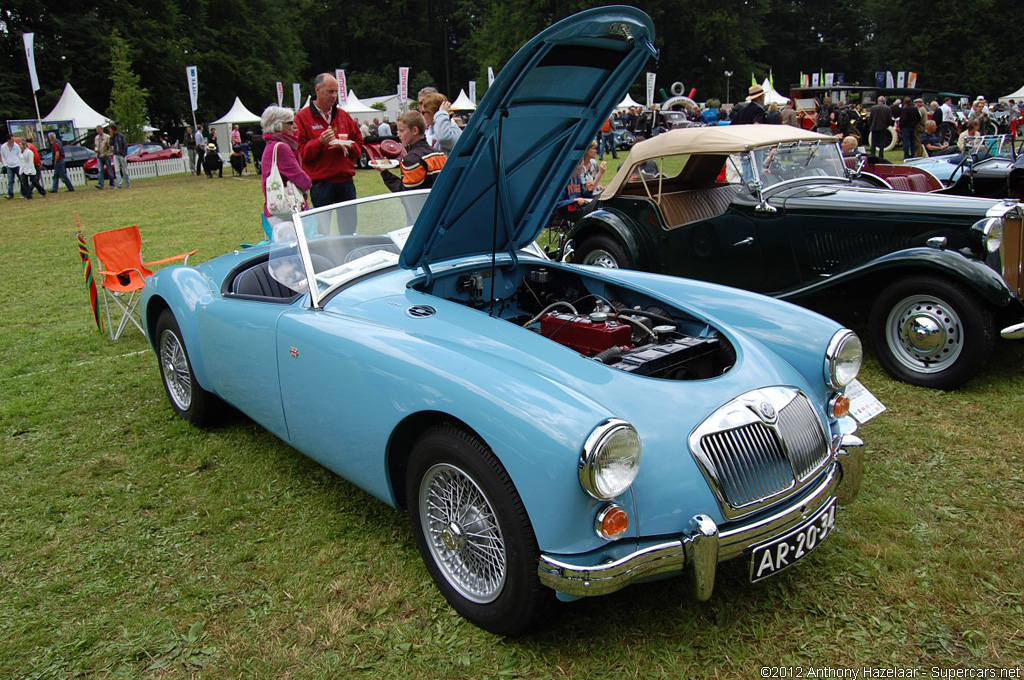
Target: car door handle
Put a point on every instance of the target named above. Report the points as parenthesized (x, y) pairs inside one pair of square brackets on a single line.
[(745, 242)]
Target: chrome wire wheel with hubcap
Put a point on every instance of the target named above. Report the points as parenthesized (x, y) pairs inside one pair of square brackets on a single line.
[(462, 533)]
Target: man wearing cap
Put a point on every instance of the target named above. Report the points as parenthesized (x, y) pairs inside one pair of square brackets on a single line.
[(753, 112)]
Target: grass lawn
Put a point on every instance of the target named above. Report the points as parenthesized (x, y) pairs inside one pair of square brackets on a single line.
[(134, 545)]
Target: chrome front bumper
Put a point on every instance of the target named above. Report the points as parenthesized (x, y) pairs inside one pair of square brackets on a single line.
[(702, 546)]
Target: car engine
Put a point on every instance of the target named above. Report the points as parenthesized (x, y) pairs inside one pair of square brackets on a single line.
[(611, 324)]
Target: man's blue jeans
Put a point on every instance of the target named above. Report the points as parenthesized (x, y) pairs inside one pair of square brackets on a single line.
[(606, 143), (60, 172), (12, 177), (103, 164)]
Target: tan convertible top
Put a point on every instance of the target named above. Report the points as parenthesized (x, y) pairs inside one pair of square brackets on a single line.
[(717, 140)]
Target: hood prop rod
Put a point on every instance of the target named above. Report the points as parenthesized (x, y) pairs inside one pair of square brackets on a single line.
[(502, 115)]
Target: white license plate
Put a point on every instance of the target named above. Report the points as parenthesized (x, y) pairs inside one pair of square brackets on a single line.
[(774, 556)]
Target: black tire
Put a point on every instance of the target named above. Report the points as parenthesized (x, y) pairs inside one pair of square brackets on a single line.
[(948, 133), (482, 554), (188, 399), (364, 161), (603, 251), (955, 332)]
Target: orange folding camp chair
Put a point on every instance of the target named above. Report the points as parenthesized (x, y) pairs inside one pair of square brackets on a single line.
[(124, 273)]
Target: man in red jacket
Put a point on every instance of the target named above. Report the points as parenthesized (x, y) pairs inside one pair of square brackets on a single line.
[(329, 142)]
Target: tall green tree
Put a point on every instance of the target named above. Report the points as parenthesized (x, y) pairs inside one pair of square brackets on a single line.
[(127, 98)]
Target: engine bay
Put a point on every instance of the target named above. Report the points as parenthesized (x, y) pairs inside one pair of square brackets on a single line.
[(612, 324)]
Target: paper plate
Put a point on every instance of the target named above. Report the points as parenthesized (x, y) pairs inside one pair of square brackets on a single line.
[(383, 163)]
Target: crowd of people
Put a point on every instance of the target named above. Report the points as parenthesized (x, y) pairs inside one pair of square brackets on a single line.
[(319, 146), (316, 149)]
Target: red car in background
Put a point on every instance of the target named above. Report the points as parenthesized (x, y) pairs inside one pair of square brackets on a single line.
[(137, 153)]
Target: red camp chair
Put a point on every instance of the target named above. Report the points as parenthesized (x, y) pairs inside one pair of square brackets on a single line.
[(124, 273)]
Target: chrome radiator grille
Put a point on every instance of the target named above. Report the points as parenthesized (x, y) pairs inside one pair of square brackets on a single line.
[(760, 447)]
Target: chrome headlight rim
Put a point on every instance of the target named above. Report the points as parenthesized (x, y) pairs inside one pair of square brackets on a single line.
[(992, 234), (844, 349), (590, 469)]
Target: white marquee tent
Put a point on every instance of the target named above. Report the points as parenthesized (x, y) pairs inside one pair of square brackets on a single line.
[(463, 102), (392, 106), (626, 103), (357, 109), (1015, 96), (236, 114), (72, 107), (771, 96)]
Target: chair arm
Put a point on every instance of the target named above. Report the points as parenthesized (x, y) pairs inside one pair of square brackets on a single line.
[(122, 271), (183, 256)]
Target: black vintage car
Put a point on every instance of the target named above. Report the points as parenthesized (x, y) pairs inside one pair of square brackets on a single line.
[(991, 167), (773, 209)]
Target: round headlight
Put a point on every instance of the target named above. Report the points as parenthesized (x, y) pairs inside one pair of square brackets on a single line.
[(843, 359), (993, 232), (610, 460)]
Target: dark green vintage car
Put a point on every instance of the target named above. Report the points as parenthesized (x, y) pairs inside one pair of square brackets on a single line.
[(773, 209)]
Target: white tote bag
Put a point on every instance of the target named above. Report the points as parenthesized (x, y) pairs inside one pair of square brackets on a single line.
[(283, 198)]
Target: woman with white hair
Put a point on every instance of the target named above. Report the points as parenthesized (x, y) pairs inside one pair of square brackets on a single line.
[(279, 132)]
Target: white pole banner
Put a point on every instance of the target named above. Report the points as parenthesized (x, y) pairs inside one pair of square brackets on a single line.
[(280, 94), (490, 76), (403, 83), (30, 55), (297, 95), (193, 85), (342, 86), (650, 89), (472, 91)]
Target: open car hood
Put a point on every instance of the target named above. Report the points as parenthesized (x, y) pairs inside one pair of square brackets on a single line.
[(516, 155)]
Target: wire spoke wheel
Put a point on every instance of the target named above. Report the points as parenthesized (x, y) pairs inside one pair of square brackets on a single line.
[(462, 533), (176, 373), (187, 396)]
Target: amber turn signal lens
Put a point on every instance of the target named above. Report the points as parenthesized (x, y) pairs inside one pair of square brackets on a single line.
[(840, 405), (612, 522)]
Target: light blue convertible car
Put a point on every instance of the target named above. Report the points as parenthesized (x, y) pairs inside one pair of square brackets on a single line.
[(551, 429)]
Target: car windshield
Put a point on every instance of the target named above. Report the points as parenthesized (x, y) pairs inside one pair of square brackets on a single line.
[(989, 145), (344, 241), (133, 149), (790, 161)]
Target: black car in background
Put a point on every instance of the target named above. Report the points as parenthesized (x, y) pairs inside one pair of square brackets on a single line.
[(75, 156), (773, 209)]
